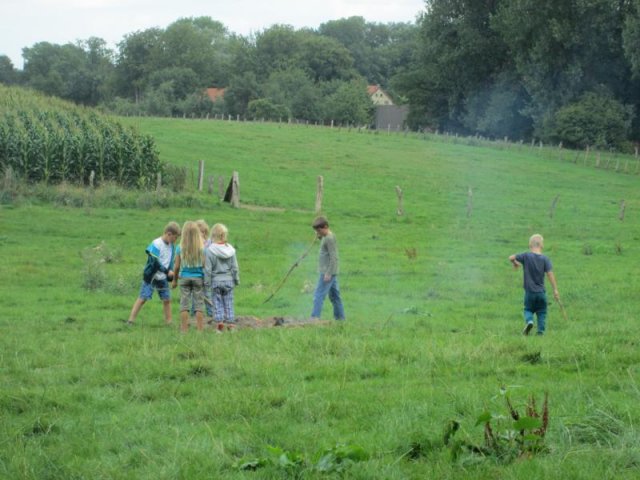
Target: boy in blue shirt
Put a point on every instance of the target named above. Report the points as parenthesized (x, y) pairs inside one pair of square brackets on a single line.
[(535, 266), (158, 272)]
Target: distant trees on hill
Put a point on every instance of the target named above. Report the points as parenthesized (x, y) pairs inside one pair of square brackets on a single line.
[(528, 69)]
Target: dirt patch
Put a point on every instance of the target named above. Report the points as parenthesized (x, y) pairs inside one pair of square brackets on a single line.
[(269, 322)]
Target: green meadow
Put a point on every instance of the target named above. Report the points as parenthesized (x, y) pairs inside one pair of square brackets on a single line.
[(433, 331)]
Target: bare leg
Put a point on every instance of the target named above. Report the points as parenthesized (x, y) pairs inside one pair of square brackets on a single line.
[(166, 307), (184, 321), (199, 321), (137, 305)]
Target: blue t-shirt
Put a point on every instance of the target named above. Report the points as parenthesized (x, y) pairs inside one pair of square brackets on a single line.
[(188, 271), (534, 266)]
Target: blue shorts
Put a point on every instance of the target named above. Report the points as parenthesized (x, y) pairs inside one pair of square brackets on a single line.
[(146, 290)]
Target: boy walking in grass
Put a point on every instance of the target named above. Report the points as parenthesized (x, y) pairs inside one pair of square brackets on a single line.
[(157, 272), (328, 269), (221, 276), (535, 265)]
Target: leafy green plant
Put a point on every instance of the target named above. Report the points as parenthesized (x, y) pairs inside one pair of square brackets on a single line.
[(330, 460), (504, 440)]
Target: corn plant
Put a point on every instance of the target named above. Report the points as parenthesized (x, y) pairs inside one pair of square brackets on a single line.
[(47, 140)]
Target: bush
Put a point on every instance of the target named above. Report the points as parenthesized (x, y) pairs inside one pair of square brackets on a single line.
[(263, 109), (596, 120)]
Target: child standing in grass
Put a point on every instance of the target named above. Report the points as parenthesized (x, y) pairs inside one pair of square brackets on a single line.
[(158, 272), (221, 276), (208, 302), (189, 270), (328, 269), (535, 265)]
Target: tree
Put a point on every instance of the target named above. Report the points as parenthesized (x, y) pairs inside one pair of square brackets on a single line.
[(138, 56), (349, 103), (459, 56), (294, 89), (199, 44), (563, 49), (8, 74)]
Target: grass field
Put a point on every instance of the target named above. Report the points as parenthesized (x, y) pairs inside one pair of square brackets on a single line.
[(433, 318)]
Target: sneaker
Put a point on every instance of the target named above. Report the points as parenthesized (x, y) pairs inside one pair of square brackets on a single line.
[(527, 328), (220, 327)]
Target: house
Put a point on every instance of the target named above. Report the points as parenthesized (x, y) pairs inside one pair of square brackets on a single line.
[(215, 94), (378, 96)]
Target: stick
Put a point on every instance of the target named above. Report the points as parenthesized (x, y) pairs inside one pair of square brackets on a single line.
[(564, 313), (291, 269)]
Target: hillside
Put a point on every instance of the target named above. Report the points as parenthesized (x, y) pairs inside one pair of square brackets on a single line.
[(433, 317)]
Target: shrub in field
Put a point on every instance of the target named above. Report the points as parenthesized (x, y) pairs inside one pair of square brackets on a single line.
[(47, 140), (596, 120)]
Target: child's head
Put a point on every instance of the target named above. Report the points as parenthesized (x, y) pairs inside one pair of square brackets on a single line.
[(219, 233), (203, 227), (191, 245), (171, 232), (536, 241)]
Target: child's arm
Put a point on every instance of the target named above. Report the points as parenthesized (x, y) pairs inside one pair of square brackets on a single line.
[(176, 271), (514, 262), (554, 284)]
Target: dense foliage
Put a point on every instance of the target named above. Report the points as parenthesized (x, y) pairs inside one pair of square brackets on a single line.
[(521, 68), (52, 141)]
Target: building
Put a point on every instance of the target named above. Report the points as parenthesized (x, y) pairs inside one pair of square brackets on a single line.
[(378, 96), (215, 94)]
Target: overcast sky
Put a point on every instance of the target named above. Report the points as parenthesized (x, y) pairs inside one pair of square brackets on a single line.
[(26, 22)]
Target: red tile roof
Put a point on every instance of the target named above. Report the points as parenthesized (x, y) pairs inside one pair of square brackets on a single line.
[(215, 93)]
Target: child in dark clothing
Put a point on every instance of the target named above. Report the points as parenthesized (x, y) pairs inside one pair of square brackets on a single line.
[(535, 266)]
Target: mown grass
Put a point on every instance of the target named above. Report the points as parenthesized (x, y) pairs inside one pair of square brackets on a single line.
[(430, 337)]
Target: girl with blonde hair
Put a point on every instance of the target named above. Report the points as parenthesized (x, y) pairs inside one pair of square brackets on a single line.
[(189, 274), (221, 276)]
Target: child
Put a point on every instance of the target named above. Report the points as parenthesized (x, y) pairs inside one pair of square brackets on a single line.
[(157, 272), (328, 269), (535, 265), (189, 269), (208, 302), (221, 275)]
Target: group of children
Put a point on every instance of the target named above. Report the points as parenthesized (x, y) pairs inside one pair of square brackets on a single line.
[(203, 265), (206, 269)]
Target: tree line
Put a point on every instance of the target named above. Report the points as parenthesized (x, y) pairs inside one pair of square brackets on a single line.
[(280, 72), (546, 70)]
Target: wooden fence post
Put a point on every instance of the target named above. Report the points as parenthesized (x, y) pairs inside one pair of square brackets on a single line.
[(319, 194), (469, 202), (552, 210), (200, 174), (400, 210), (92, 177), (159, 182), (235, 190), (211, 182), (623, 206)]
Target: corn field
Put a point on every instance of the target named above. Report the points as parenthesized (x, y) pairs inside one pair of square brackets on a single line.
[(48, 140)]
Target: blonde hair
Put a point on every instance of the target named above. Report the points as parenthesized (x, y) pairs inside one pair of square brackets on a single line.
[(219, 233), (191, 246), (203, 227), (536, 241), (172, 227)]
